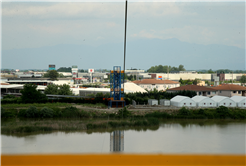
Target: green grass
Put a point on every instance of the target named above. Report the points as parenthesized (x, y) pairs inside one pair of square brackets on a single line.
[(98, 105), (36, 105)]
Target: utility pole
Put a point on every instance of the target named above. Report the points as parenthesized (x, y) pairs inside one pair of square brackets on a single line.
[(125, 45)]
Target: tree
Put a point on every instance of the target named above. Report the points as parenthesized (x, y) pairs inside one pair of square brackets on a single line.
[(210, 71), (196, 81), (51, 89), (58, 89), (165, 69), (243, 79), (64, 90), (64, 69), (181, 68), (181, 81), (61, 75), (52, 74), (31, 95)]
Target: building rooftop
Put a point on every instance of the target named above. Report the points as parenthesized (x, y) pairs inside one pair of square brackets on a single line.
[(229, 87), (154, 81), (192, 88)]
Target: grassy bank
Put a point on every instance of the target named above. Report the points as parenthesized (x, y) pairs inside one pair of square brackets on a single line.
[(68, 111), (34, 119)]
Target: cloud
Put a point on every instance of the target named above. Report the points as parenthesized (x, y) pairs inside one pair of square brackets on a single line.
[(89, 10), (41, 24), (194, 34)]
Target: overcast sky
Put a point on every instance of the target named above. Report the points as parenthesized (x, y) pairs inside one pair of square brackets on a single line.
[(39, 24)]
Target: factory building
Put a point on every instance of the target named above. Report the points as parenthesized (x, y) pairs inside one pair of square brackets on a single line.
[(151, 84)]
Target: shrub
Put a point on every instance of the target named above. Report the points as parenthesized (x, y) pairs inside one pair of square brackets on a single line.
[(22, 113), (84, 114), (222, 111), (46, 113), (32, 112), (209, 114), (124, 112), (184, 111), (158, 115), (2, 112), (201, 111), (71, 112), (9, 97), (57, 112), (7, 113)]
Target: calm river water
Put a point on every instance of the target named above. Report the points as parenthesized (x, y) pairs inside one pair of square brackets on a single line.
[(171, 137)]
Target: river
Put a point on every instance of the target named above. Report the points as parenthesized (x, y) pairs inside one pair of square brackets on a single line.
[(171, 137)]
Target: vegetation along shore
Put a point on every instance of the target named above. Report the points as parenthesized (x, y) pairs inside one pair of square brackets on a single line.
[(23, 118)]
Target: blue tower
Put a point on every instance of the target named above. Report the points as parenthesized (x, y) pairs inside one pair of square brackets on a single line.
[(116, 92)]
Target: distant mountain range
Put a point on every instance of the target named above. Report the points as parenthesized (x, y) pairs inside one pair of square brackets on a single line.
[(141, 54)]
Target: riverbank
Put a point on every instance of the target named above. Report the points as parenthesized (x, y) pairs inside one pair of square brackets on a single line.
[(19, 127), (41, 117), (13, 126)]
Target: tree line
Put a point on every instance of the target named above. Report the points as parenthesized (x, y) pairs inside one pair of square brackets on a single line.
[(165, 69)]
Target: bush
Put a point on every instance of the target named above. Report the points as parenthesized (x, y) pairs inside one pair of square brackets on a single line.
[(201, 111), (184, 111), (124, 113), (22, 113), (57, 112), (2, 112), (46, 113), (32, 112), (71, 112), (9, 97), (222, 111), (158, 115), (84, 114), (7, 113)]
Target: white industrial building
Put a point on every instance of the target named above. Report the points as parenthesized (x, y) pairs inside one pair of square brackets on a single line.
[(151, 84), (128, 88), (182, 101), (165, 102), (224, 101), (240, 100), (203, 101), (153, 102)]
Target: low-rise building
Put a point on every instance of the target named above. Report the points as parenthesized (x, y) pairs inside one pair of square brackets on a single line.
[(200, 90), (151, 84), (230, 90)]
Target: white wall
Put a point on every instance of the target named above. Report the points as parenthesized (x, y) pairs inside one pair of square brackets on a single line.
[(158, 86), (191, 76)]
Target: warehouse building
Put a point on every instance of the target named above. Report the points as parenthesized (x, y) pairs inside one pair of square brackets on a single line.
[(182, 101), (240, 100), (224, 101), (202, 101)]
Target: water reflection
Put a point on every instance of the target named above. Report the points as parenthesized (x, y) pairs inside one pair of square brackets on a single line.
[(172, 136), (117, 141)]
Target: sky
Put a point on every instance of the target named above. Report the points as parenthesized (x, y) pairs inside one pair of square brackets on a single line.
[(30, 25)]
